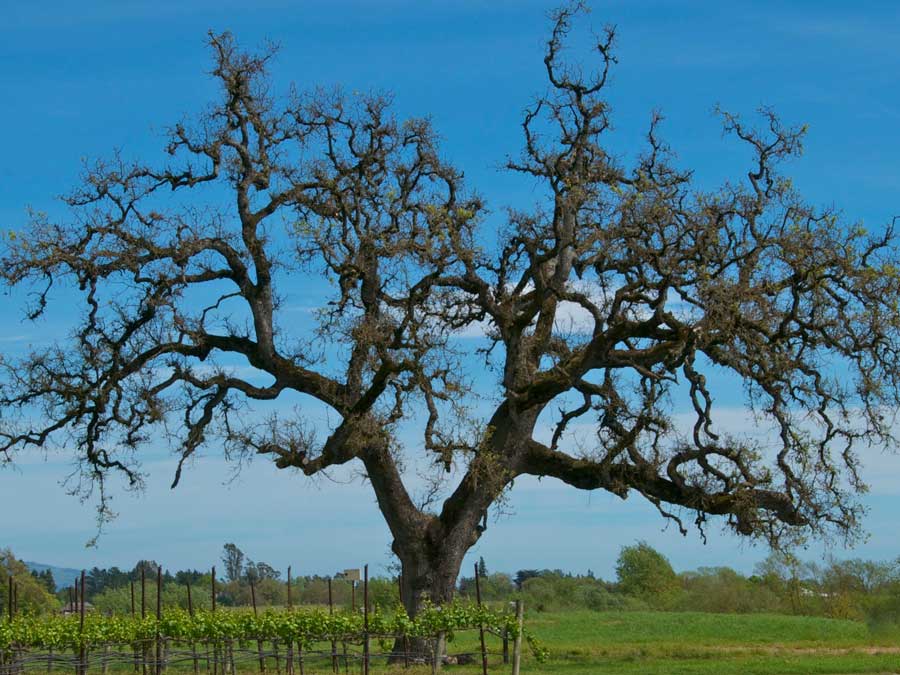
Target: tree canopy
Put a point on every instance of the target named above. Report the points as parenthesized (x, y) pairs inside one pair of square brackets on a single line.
[(181, 267), (30, 593), (645, 573)]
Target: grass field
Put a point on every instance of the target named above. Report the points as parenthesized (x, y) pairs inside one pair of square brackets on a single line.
[(662, 643), (649, 643)]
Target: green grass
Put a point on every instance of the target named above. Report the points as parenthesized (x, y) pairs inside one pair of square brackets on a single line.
[(663, 643)]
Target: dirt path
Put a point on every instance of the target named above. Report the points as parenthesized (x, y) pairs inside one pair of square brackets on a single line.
[(788, 649)]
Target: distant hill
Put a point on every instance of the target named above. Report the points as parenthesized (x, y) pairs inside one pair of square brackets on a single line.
[(63, 576)]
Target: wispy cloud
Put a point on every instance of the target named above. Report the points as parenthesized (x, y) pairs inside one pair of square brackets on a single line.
[(851, 30)]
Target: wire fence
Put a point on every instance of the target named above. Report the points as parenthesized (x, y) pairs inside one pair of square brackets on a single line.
[(233, 657), (336, 653)]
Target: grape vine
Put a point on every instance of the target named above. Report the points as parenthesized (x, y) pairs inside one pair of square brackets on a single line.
[(304, 627)]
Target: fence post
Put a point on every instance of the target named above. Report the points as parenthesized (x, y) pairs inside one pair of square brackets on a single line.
[(484, 669), (259, 642), (134, 645), (193, 642), (290, 643), (82, 654), (144, 647), (215, 645), (334, 661), (289, 598), (517, 645), (76, 606), (159, 666), (366, 620), (12, 655), (405, 637)]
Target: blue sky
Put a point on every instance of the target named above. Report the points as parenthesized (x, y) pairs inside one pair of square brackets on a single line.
[(80, 79)]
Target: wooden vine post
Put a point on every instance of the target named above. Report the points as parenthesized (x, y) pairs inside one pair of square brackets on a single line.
[(289, 656), (144, 646), (9, 656), (334, 658), (159, 654), (290, 602), (405, 637), (366, 620), (76, 607), (49, 659), (484, 667), (193, 641), (215, 649), (82, 652), (517, 645), (259, 642)]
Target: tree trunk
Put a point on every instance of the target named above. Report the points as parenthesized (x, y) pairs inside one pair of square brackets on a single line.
[(424, 579)]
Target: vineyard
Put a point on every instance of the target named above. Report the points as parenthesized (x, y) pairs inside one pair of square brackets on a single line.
[(288, 640)]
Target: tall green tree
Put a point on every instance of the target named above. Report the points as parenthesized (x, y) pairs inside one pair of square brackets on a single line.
[(30, 593), (645, 573), (233, 559)]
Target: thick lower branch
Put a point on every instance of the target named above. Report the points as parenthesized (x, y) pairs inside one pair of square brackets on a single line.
[(620, 477)]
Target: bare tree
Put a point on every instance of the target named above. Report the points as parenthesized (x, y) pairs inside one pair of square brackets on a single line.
[(670, 282)]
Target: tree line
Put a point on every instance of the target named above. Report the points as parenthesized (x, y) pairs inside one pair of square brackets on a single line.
[(858, 589)]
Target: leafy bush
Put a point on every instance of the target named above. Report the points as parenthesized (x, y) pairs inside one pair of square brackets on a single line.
[(33, 596), (645, 573), (601, 600), (721, 589), (118, 600)]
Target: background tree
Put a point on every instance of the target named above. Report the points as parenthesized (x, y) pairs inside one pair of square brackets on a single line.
[(784, 572), (524, 575), (192, 577), (723, 590), (645, 573), (32, 594), (118, 599), (233, 559), (266, 571), (46, 579), (668, 280)]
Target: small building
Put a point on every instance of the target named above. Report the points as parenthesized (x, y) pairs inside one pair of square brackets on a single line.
[(75, 608)]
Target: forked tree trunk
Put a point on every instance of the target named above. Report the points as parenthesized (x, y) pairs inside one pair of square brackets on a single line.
[(425, 579)]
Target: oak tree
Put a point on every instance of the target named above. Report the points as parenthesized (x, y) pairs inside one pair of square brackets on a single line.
[(181, 268)]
